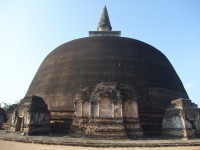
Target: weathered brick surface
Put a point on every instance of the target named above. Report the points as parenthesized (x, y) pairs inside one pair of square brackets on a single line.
[(114, 114), (31, 116), (181, 119), (91, 60)]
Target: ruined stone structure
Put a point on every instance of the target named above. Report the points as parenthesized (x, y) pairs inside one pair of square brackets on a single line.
[(9, 113), (31, 116), (108, 110), (182, 119), (3, 117), (105, 57)]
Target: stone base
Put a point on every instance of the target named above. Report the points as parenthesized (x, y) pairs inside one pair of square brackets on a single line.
[(31, 129), (57, 125), (104, 33), (61, 121), (11, 129), (36, 130), (132, 127), (117, 128), (99, 127), (179, 133), (106, 128), (151, 123)]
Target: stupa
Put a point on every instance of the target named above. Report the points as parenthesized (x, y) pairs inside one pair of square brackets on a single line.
[(105, 58)]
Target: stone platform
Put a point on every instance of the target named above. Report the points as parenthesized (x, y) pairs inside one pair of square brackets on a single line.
[(63, 139)]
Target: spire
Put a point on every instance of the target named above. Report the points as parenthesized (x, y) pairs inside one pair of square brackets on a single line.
[(104, 22), (104, 28)]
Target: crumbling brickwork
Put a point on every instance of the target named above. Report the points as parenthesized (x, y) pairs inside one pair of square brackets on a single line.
[(182, 119), (31, 116), (108, 110), (105, 56)]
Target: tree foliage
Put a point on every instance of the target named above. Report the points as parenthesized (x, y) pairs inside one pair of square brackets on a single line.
[(6, 106)]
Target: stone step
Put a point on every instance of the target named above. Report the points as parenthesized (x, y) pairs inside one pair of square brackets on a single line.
[(110, 137), (109, 130), (114, 134), (132, 126), (107, 126), (106, 121)]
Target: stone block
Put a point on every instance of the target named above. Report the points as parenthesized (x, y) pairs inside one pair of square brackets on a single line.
[(106, 108), (31, 116), (86, 109), (181, 119)]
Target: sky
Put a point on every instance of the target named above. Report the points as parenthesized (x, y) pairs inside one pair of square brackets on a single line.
[(31, 29)]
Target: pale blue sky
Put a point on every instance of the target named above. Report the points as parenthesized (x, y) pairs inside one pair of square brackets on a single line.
[(30, 29)]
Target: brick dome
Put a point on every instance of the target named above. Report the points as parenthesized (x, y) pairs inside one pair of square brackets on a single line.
[(92, 60), (89, 61)]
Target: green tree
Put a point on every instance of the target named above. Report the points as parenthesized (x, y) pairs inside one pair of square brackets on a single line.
[(6, 106)]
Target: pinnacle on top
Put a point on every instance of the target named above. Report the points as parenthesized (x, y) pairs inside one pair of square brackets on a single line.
[(104, 28), (104, 22)]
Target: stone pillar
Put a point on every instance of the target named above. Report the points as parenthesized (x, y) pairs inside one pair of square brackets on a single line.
[(98, 109), (135, 108), (106, 108), (86, 108), (129, 109), (78, 109), (131, 119), (113, 110), (117, 110), (121, 111), (94, 109), (183, 121)]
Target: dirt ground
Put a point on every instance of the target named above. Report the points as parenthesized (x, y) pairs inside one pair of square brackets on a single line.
[(10, 145)]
